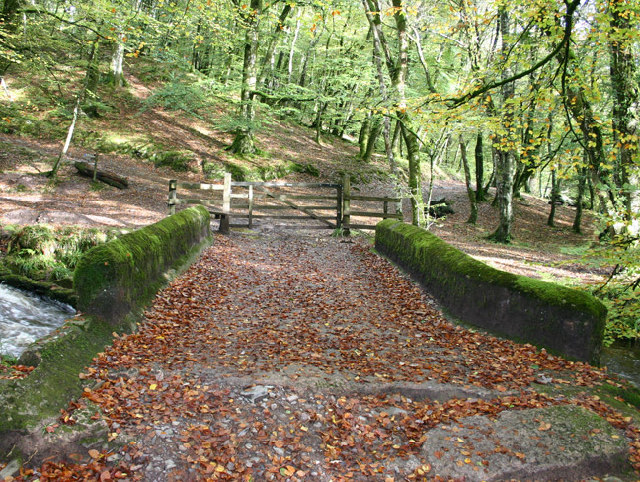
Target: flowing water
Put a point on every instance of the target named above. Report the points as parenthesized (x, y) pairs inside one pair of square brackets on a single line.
[(26, 317), (623, 362)]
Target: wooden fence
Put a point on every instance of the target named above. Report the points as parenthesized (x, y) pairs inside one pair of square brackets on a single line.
[(331, 205)]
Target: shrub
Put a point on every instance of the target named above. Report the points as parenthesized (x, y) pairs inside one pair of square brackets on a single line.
[(41, 252)]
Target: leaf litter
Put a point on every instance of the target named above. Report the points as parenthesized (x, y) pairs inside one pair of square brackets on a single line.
[(302, 358)]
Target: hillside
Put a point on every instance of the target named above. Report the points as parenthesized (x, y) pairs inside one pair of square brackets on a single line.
[(136, 134)]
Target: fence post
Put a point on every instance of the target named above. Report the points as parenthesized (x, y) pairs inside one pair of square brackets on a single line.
[(173, 195), (250, 206), (385, 208), (399, 210), (226, 193), (346, 204)]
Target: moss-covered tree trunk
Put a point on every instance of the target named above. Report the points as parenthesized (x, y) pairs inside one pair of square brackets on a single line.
[(473, 204), (244, 142), (376, 129), (479, 161), (363, 138), (399, 78), (505, 155), (555, 196), (625, 97), (582, 182), (379, 49)]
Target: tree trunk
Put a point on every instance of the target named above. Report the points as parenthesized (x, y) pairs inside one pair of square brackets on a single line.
[(479, 158), (376, 129), (473, 215), (267, 64), (318, 122), (104, 176), (625, 96), (377, 60), (76, 111), (411, 140), (117, 74), (244, 142), (582, 181), (396, 141), (292, 48), (93, 71), (578, 104), (365, 132), (555, 196), (9, 26), (505, 162)]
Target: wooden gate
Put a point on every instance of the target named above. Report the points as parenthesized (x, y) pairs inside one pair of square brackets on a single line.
[(304, 205)]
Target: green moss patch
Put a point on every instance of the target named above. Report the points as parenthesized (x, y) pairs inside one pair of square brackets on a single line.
[(546, 314), (63, 355)]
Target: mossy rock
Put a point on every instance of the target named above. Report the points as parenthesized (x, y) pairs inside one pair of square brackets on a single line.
[(179, 161), (269, 172), (55, 291)]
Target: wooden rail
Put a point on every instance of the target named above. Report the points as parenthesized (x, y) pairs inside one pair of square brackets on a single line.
[(249, 200)]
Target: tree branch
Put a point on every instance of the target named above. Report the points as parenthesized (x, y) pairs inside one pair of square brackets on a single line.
[(564, 44), (63, 20)]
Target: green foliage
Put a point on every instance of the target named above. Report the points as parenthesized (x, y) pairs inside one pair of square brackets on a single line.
[(623, 302), (6, 359), (621, 291), (181, 93), (28, 263), (41, 252), (179, 161), (234, 123), (266, 172)]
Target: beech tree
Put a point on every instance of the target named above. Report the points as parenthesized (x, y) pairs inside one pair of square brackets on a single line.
[(244, 142)]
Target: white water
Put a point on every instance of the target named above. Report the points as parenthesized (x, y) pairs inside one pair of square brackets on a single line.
[(25, 317)]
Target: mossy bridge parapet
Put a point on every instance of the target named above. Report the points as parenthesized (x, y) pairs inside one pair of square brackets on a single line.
[(114, 282), (563, 320), (115, 278)]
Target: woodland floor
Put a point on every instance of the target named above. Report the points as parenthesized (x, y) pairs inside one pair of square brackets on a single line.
[(27, 197)]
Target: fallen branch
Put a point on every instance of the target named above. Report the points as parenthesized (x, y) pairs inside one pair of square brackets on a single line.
[(106, 177)]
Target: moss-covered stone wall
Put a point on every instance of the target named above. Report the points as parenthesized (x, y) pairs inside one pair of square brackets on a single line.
[(563, 320), (114, 282), (114, 278)]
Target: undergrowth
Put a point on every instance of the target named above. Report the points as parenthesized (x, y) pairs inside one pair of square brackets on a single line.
[(44, 253)]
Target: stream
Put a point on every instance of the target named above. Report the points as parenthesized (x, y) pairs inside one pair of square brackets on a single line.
[(622, 361), (26, 317)]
